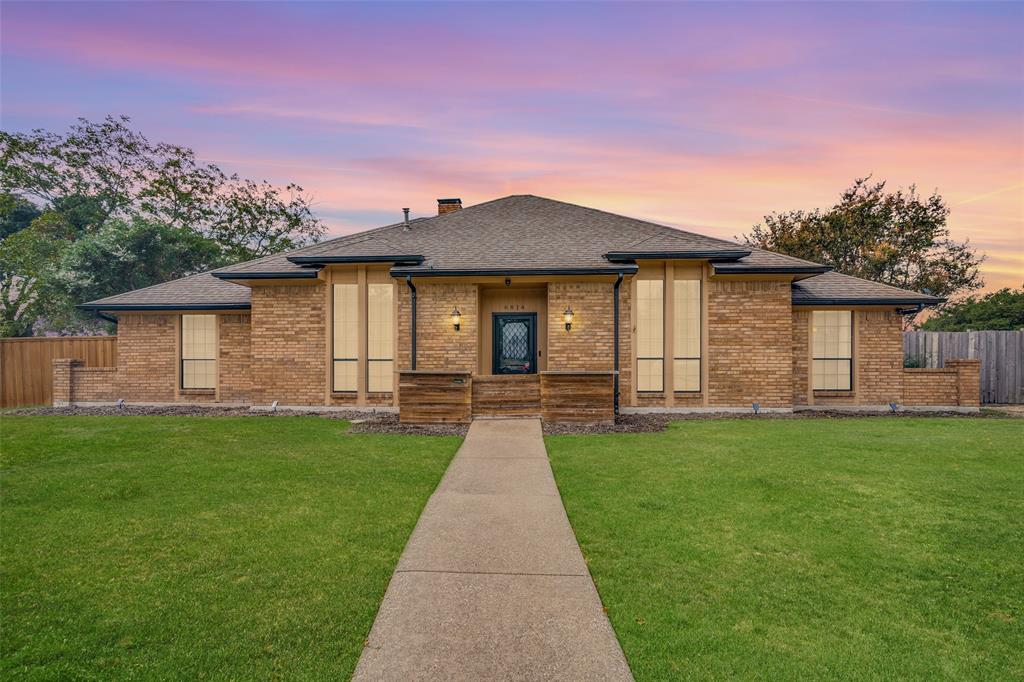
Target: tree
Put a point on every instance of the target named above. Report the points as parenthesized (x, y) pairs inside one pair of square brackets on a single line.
[(1003, 309), (121, 213), (27, 259), (16, 213), (896, 238)]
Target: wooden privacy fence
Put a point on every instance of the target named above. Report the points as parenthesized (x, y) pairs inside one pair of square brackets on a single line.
[(26, 364), (1001, 354)]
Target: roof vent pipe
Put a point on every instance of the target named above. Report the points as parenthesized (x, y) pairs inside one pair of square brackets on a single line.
[(406, 221)]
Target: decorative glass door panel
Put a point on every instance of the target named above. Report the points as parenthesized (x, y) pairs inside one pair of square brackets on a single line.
[(515, 344)]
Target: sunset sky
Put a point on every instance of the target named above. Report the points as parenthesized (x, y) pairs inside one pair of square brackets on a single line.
[(703, 116)]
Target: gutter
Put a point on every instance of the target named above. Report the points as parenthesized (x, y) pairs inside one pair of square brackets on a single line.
[(412, 293), (868, 301), (423, 272), (794, 270), (323, 260), (615, 344), (127, 307), (676, 255), (302, 274)]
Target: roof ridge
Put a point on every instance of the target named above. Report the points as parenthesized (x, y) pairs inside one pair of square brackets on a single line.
[(674, 232)]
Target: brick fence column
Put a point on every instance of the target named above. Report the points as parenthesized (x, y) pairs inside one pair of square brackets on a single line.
[(62, 381), (968, 381)]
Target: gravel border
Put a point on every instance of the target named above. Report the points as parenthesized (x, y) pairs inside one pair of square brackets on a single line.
[(387, 422)]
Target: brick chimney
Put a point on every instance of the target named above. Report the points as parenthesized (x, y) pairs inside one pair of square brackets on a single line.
[(448, 205)]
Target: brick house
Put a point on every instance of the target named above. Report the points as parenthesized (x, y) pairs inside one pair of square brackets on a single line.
[(520, 305)]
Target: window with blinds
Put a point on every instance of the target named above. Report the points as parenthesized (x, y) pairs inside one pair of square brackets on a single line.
[(832, 339), (198, 351), (650, 335), (346, 337), (379, 337), (686, 334)]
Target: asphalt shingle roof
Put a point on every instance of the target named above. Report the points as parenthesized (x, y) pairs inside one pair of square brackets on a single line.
[(833, 288), (521, 232)]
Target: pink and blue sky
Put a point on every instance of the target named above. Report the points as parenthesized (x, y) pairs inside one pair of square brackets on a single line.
[(704, 116)]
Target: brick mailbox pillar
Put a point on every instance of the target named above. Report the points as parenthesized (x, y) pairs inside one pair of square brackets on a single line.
[(968, 381)]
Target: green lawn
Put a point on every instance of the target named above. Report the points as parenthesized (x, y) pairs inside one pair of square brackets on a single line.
[(177, 547), (816, 549)]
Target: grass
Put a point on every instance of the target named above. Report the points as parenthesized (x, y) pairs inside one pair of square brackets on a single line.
[(182, 547), (817, 549)]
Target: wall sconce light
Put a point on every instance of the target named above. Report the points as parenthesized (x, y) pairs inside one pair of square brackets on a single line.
[(567, 316), (456, 319)]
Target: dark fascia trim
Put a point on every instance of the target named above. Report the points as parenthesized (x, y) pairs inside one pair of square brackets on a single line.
[(125, 307), (676, 255), (301, 274), (323, 260), (416, 272), (787, 270), (932, 300)]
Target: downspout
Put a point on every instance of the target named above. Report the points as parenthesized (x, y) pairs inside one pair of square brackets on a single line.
[(615, 344), (412, 293)]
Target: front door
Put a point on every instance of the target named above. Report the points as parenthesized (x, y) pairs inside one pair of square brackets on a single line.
[(515, 343)]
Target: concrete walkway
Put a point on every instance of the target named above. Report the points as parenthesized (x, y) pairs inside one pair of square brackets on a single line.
[(492, 585)]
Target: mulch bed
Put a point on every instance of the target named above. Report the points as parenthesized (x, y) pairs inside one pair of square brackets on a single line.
[(387, 422)]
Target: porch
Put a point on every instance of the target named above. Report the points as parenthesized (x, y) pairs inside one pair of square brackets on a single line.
[(430, 396)]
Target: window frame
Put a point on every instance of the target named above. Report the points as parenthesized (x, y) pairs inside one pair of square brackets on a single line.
[(334, 340), (653, 358), (847, 360), (700, 339), (182, 359), (389, 316)]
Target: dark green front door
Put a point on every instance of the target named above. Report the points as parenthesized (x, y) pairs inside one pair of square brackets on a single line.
[(515, 343)]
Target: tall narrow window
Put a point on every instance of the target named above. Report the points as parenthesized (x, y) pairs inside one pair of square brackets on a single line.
[(686, 334), (832, 333), (379, 337), (198, 351), (346, 336), (650, 335)]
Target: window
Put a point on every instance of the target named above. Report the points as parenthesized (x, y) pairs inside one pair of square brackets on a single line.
[(650, 335), (346, 336), (198, 351), (832, 336), (686, 335), (379, 337)]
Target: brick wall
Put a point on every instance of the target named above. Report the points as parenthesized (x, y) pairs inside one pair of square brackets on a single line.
[(877, 364), (438, 345), (93, 384), (968, 374), (235, 358), (879, 357), (929, 387), (62, 381), (750, 344), (801, 350), (147, 357), (589, 344), (289, 344)]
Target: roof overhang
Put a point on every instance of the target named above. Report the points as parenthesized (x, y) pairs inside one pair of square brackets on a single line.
[(327, 260), (932, 300), (619, 256), (741, 269), (138, 307), (241, 274), (426, 272)]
